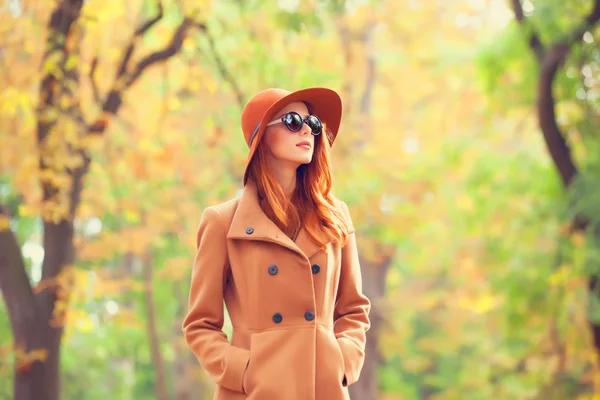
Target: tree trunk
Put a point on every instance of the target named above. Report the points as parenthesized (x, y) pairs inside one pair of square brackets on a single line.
[(374, 277), (374, 273), (38, 329), (20, 302), (560, 152), (153, 337), (184, 359), (47, 332)]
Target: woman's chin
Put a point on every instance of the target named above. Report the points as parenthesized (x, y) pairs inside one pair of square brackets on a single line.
[(306, 160), (300, 160)]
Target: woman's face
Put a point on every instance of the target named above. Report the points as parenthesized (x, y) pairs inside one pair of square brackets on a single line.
[(287, 147)]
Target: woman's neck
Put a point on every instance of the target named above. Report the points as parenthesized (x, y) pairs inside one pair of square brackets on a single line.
[(286, 177)]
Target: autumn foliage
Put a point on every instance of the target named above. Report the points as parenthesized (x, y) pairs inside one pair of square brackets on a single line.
[(474, 192)]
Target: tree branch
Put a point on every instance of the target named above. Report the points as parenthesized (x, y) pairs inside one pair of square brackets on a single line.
[(124, 79), (92, 77), (578, 32), (551, 62), (139, 32), (534, 39), (160, 55), (222, 68), (148, 24), (113, 101), (367, 42), (555, 141)]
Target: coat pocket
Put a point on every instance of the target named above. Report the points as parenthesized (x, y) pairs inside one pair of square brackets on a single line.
[(246, 379), (256, 371), (222, 393), (280, 365), (342, 359), (332, 346), (329, 366)]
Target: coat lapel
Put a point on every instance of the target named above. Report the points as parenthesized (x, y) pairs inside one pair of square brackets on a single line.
[(305, 243), (251, 223)]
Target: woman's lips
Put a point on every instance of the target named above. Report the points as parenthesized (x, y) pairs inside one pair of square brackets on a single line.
[(304, 145)]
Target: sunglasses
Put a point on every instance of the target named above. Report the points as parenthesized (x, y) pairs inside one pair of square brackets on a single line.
[(293, 121)]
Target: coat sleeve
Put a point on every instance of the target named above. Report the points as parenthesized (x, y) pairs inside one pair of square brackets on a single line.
[(351, 316), (202, 327)]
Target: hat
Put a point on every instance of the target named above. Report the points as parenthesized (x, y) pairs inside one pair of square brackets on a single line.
[(260, 110)]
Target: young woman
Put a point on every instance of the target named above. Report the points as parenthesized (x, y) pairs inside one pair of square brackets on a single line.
[(283, 258)]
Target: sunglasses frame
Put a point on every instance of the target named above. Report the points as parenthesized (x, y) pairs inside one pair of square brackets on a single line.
[(304, 121)]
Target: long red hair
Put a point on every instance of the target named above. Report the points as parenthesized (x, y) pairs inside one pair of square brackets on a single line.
[(312, 203)]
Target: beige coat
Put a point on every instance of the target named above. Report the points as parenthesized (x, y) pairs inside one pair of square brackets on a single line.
[(298, 313)]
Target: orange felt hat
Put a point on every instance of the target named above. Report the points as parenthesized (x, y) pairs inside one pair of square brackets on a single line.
[(260, 110)]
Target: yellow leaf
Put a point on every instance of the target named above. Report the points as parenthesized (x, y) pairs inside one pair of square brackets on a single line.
[(176, 269), (188, 44), (193, 85), (131, 216), (84, 323), (71, 62), (211, 86), (479, 304), (560, 276), (416, 364), (173, 103), (464, 202), (147, 147), (496, 228), (484, 303), (394, 278), (4, 223), (578, 239)]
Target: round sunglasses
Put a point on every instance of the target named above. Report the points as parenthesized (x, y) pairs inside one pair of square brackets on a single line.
[(293, 121)]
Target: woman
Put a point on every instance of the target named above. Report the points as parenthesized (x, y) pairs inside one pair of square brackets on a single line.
[(283, 258)]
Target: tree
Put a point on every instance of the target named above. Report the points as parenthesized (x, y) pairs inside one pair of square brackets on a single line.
[(550, 57), (63, 136)]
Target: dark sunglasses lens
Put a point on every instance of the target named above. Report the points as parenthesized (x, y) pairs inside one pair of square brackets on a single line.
[(315, 124), (293, 121)]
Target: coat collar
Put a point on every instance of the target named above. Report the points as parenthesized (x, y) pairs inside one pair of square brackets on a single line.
[(249, 217)]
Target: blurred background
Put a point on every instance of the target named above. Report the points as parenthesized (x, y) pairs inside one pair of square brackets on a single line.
[(468, 155)]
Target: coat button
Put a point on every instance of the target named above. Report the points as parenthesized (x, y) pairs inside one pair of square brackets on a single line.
[(277, 318), (273, 269), (249, 231), (309, 315), (315, 268)]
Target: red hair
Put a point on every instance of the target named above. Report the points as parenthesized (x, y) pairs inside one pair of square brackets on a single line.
[(312, 202)]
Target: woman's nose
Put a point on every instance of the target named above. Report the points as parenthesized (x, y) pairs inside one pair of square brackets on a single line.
[(305, 129)]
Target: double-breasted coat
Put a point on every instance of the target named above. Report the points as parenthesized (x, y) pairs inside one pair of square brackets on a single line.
[(298, 313)]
